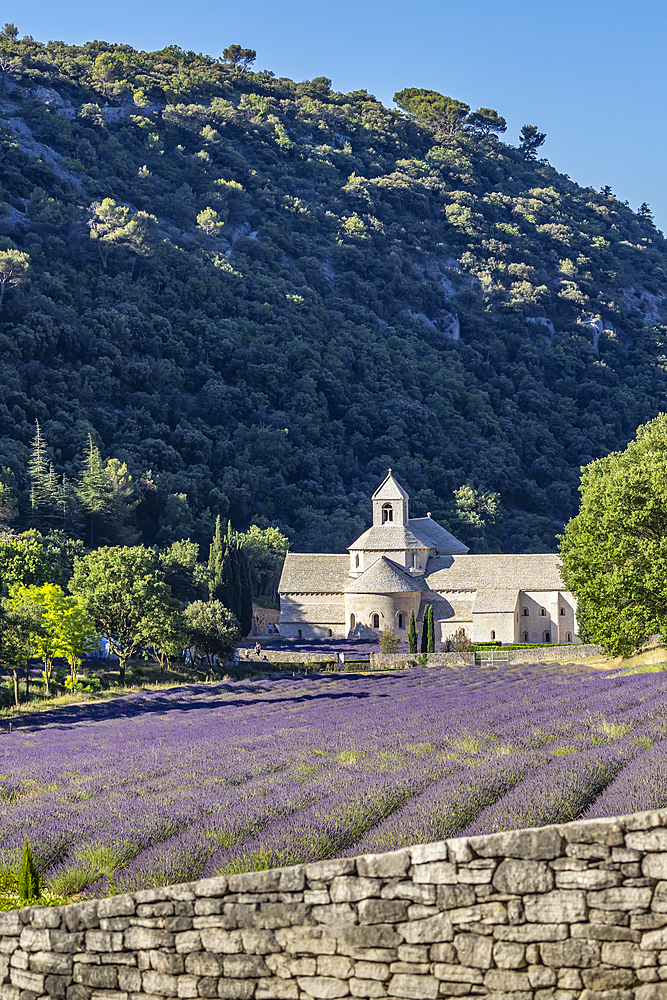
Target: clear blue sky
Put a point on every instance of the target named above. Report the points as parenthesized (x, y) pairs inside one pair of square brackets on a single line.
[(589, 73)]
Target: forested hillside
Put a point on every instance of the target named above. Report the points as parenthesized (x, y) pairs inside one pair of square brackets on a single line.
[(258, 294)]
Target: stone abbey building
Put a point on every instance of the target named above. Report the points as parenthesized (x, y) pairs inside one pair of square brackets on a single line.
[(401, 564)]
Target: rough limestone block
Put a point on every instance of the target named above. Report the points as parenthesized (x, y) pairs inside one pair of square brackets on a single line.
[(506, 981), (556, 906), (10, 923), (371, 970), (42, 916), (608, 979), (221, 942), (323, 986), (335, 966), (130, 980), (259, 942), (627, 954), (459, 850), (116, 906), (144, 938), (104, 977), (366, 988), (413, 987), (269, 989), (63, 942), (603, 932), (382, 911), (454, 897), (528, 845), (214, 887), (306, 941), (35, 940), (244, 966), (316, 897), (481, 913), (458, 973), (187, 941), (104, 941), (433, 929), (160, 983), (647, 840), (441, 952), (334, 913), (621, 898), (51, 962), (350, 889), (654, 866), (167, 962), (392, 865), (520, 877), (509, 955), (292, 879), (230, 989), (326, 870), (532, 932), (652, 991), (435, 873), (540, 977), (187, 987), (421, 854), (591, 878), (595, 831), (474, 950), (569, 979), (24, 980), (579, 954), (286, 967), (20, 960), (425, 894)]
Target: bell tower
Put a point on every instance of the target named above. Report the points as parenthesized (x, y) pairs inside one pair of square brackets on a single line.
[(390, 504)]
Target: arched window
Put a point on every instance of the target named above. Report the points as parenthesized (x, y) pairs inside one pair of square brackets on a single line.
[(300, 634), (400, 620), (569, 637), (493, 635), (525, 612), (387, 512), (562, 611), (329, 633), (525, 637), (543, 612), (356, 561), (353, 621), (546, 637), (376, 621)]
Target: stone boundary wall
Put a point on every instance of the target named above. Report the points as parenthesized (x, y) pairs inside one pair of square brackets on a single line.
[(571, 912)]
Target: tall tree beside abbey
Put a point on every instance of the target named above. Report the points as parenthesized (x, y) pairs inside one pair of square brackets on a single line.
[(227, 294)]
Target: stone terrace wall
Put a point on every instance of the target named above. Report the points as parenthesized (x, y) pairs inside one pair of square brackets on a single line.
[(572, 912)]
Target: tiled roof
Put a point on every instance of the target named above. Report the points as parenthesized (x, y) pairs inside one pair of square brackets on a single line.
[(390, 489), (495, 572), (314, 573), (443, 541), (449, 607), (391, 538), (499, 599), (317, 614), (385, 577)]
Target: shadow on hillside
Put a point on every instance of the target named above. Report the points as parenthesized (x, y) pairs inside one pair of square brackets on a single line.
[(181, 699)]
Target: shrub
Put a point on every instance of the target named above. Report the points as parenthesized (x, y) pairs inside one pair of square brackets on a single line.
[(388, 640), (29, 880)]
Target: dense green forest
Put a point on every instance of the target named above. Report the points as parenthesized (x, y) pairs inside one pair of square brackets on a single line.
[(253, 295)]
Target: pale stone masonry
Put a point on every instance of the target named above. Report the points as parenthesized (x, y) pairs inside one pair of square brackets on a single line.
[(571, 912), (401, 563)]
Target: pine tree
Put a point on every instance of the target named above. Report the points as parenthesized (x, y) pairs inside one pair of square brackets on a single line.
[(424, 643), (431, 631), (44, 487), (29, 887), (412, 634), (94, 488)]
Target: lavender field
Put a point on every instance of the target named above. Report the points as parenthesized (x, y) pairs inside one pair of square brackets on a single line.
[(168, 786)]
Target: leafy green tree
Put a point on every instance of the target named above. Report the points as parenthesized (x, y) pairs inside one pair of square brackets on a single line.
[(166, 634), (29, 881), (428, 106), (485, 122), (238, 58), (14, 267), (9, 498), (212, 633), (412, 634), (9, 33), (123, 590), (74, 633), (265, 549), (187, 578), (112, 226), (530, 140), (388, 640), (48, 598), (614, 552), (477, 511), (19, 620), (210, 222)]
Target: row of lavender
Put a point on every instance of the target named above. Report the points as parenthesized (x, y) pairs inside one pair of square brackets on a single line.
[(167, 787)]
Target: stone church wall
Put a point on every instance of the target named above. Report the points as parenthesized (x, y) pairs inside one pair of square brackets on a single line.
[(571, 912)]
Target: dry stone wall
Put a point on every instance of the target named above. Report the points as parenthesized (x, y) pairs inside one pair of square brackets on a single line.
[(572, 912)]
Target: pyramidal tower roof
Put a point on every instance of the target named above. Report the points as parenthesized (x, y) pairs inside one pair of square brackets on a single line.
[(390, 489)]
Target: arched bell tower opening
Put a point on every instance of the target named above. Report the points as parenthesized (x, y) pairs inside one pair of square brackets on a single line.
[(387, 513)]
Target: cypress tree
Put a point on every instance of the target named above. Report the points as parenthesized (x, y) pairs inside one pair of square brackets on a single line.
[(424, 643), (29, 888), (431, 631), (412, 634), (216, 558), (244, 613)]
